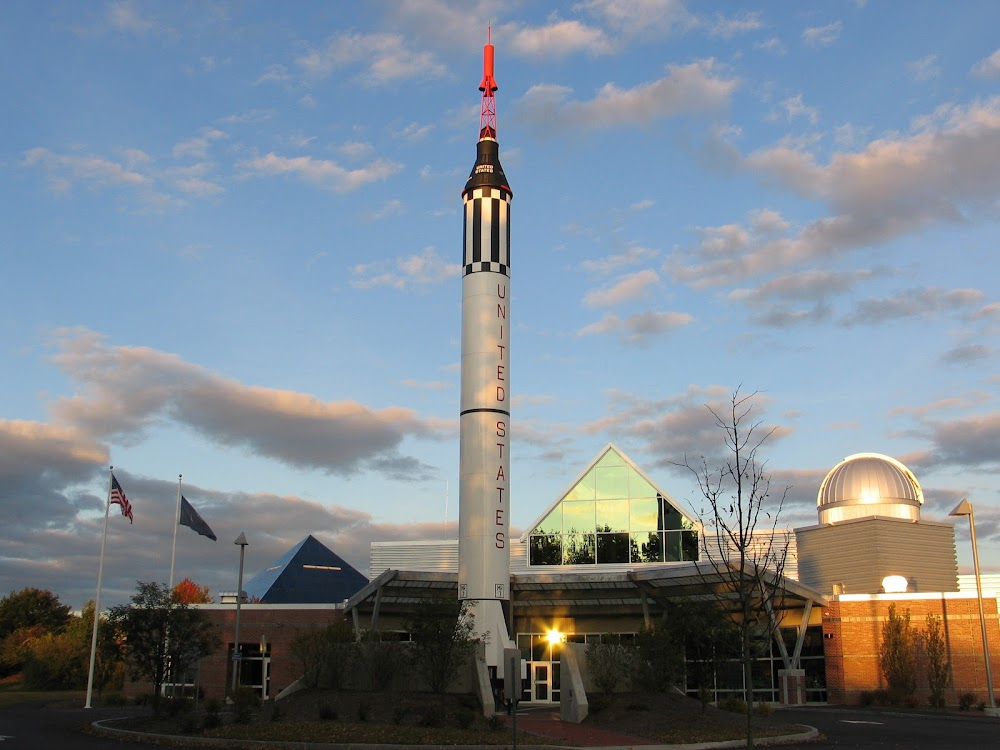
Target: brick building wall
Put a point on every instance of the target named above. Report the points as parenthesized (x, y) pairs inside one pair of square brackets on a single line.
[(852, 633), (276, 625)]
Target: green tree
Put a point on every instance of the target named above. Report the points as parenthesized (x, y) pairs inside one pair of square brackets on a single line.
[(746, 565), (897, 654), (161, 633), (443, 641), (378, 655), (710, 638), (15, 648), (325, 654), (938, 666), (659, 657), (609, 661)]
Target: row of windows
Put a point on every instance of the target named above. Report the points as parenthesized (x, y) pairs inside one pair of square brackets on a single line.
[(615, 547), (621, 514)]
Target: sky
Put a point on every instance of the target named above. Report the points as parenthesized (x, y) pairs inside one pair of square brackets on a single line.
[(231, 237)]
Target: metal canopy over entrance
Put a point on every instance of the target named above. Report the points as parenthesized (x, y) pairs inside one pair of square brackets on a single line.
[(629, 598)]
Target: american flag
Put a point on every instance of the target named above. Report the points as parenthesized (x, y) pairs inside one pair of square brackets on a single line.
[(118, 498)]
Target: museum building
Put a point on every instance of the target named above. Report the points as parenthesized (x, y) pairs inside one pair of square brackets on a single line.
[(610, 554)]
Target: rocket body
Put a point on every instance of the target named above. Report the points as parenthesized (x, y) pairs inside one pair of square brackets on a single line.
[(484, 466), (484, 417)]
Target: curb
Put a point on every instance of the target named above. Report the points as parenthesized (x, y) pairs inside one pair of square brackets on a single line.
[(100, 728)]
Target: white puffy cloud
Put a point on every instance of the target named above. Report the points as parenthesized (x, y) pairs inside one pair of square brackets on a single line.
[(685, 89)]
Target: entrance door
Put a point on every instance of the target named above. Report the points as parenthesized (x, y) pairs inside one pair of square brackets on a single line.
[(541, 688)]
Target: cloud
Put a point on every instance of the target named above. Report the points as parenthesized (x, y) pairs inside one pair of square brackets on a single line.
[(421, 269), (631, 287), (641, 18), (726, 27), (924, 69), (771, 44), (988, 67), (987, 312), (414, 132), (639, 329), (968, 442), (794, 107), (953, 403), (272, 523), (946, 171), (680, 427), (322, 172), (912, 303), (389, 208), (197, 146), (123, 391), (385, 59), (688, 89), (822, 36), (614, 263), (124, 16), (961, 355), (812, 288), (558, 39), (65, 171)]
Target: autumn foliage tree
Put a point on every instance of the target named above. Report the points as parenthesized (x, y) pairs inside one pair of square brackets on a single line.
[(189, 592)]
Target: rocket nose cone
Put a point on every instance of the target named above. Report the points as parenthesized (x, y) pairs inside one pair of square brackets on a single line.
[(487, 171)]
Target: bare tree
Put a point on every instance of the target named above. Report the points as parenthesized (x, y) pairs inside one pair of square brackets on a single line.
[(739, 517)]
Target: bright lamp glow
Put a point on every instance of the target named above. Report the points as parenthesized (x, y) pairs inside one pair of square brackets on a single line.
[(894, 584), (554, 637)]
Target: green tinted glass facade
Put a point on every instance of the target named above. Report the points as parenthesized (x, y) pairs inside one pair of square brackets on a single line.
[(612, 516)]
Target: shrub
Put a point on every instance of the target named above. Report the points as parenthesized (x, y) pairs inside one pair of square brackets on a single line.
[(326, 712), (883, 698), (464, 718), (867, 697), (188, 723), (911, 701), (495, 722), (245, 701), (734, 704), (966, 701), (609, 662), (399, 712), (114, 699), (763, 709), (364, 708), (211, 721), (430, 719), (212, 706)]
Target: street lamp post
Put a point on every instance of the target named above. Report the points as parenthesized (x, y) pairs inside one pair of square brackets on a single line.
[(241, 540), (964, 508)]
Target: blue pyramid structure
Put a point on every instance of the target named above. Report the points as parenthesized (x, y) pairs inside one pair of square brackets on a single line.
[(309, 573)]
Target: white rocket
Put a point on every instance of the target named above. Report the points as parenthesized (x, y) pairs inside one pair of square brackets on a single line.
[(484, 465)]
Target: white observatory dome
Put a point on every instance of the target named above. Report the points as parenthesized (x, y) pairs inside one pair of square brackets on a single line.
[(869, 484)]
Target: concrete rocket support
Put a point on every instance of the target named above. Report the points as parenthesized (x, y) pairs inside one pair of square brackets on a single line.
[(484, 464)]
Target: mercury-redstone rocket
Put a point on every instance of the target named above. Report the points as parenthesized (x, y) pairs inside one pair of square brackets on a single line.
[(484, 465)]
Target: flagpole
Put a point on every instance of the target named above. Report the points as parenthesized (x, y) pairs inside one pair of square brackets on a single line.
[(97, 600), (177, 522)]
